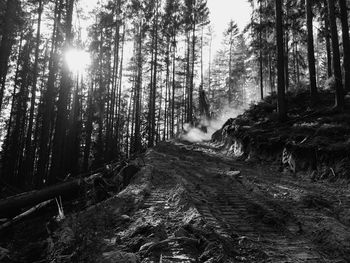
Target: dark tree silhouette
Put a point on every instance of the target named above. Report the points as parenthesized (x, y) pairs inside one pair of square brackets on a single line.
[(282, 109), (311, 50), (346, 42), (339, 98)]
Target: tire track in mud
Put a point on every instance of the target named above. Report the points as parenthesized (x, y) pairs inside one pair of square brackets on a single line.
[(176, 252), (232, 209), (321, 207), (164, 209)]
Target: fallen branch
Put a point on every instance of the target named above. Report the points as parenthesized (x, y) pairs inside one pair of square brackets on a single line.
[(165, 242), (25, 214), (334, 175)]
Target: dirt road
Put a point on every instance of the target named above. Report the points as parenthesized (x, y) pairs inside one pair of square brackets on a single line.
[(189, 204)]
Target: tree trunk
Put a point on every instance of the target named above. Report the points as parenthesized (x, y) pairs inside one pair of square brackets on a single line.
[(73, 137), (12, 159), (101, 99), (230, 77), (286, 52), (346, 42), (311, 50), (120, 92), (154, 83), (173, 89), (202, 75), (209, 68), (8, 34), (128, 127), (9, 125), (190, 106), (137, 99), (167, 91), (48, 104), (29, 151), (295, 58), (89, 129), (59, 141), (188, 77), (281, 103), (158, 135), (339, 99), (111, 142), (261, 55)]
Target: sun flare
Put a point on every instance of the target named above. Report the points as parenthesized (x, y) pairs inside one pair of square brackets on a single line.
[(77, 60)]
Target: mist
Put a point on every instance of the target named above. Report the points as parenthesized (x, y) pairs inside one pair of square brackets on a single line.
[(197, 133)]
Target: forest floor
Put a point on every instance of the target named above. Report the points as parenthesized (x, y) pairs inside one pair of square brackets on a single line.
[(189, 203)]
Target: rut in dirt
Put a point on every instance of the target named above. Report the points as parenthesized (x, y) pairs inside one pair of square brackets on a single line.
[(232, 209)]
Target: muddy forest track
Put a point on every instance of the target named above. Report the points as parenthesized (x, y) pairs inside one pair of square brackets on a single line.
[(233, 209), (192, 203), (162, 208), (159, 200)]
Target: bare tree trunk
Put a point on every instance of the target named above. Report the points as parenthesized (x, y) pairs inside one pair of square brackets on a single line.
[(89, 129), (202, 76), (286, 52), (295, 58), (9, 126), (298, 65), (188, 77), (120, 93), (13, 153), (311, 50), (128, 127), (59, 141), (137, 132), (8, 34), (28, 146), (346, 42), (48, 103), (111, 142), (230, 88), (154, 83), (101, 100), (282, 109), (261, 55), (209, 68), (190, 106), (167, 91), (173, 92), (339, 99)]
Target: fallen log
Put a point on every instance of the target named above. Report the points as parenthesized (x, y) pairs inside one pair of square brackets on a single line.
[(25, 214), (12, 205)]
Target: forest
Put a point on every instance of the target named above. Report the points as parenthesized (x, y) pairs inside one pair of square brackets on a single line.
[(154, 143), (70, 105)]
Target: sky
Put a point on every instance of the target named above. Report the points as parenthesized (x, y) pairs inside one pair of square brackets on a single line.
[(222, 11)]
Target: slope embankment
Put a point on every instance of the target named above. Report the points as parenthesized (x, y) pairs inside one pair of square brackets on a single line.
[(315, 137)]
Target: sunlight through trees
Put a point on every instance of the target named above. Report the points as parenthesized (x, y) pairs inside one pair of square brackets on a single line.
[(74, 97)]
